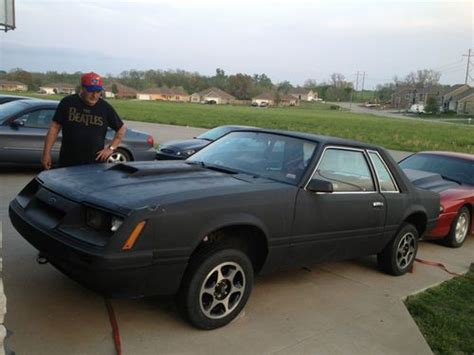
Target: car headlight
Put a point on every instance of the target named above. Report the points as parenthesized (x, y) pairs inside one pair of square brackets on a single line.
[(188, 152), (100, 220)]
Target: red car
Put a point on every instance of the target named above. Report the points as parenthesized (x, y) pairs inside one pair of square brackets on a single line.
[(452, 176)]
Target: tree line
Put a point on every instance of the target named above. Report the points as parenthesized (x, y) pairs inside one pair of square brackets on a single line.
[(242, 86)]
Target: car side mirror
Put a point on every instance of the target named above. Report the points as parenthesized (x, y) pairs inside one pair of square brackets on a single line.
[(316, 185), (18, 123)]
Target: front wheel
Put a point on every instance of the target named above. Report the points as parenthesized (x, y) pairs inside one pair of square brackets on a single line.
[(398, 256), (119, 156), (459, 229), (216, 287)]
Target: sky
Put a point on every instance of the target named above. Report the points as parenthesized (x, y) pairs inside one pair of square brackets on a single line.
[(287, 40)]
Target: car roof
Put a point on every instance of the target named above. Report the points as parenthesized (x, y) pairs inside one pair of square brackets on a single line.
[(322, 139), (465, 156), (38, 102)]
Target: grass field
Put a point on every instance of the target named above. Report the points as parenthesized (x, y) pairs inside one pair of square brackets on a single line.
[(407, 135), (445, 315)]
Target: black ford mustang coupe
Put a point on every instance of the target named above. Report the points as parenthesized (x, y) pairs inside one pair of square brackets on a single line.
[(253, 201)]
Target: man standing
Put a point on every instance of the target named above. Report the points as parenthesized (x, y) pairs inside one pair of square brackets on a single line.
[(84, 119)]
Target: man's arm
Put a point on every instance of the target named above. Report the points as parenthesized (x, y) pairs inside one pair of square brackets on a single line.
[(103, 154), (53, 131)]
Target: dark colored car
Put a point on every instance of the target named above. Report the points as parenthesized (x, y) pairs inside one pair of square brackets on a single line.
[(23, 128), (9, 98), (452, 176), (182, 149), (251, 202)]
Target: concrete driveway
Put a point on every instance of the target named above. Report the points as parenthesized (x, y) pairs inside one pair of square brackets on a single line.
[(332, 308)]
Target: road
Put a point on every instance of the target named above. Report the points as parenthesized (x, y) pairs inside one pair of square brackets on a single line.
[(345, 307)]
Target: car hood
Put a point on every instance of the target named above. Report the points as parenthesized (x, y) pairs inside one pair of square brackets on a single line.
[(181, 145), (137, 185), (435, 182)]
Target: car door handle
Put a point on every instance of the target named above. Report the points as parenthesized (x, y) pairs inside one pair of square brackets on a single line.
[(377, 204)]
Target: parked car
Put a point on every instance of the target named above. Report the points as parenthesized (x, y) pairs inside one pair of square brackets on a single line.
[(23, 128), (8, 98), (417, 108), (253, 201), (452, 176), (182, 149)]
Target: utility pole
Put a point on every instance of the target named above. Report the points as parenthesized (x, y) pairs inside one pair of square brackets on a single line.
[(363, 81), (467, 67), (357, 83)]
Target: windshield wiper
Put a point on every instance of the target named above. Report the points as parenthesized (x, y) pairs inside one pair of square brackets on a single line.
[(451, 179), (214, 167)]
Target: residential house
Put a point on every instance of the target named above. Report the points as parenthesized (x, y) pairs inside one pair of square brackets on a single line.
[(288, 100), (7, 85), (303, 94), (57, 88), (164, 94), (212, 95), (465, 102), (450, 95), (122, 91), (404, 97), (264, 99)]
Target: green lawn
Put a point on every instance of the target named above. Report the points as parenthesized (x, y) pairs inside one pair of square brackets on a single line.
[(397, 134), (445, 315)]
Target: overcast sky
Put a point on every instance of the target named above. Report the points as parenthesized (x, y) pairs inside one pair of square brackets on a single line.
[(287, 40)]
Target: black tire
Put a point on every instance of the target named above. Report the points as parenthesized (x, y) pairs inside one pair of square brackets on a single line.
[(119, 156), (209, 304), (398, 256), (459, 229)]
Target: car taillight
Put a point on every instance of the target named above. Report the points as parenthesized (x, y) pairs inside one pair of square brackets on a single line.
[(150, 140)]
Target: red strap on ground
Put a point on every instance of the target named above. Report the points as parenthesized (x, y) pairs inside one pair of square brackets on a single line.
[(435, 263), (115, 328)]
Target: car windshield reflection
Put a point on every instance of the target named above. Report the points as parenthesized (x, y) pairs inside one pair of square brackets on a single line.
[(272, 156)]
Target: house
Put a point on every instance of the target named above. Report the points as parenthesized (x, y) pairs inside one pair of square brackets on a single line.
[(404, 97), (122, 91), (164, 94), (449, 96), (7, 85), (303, 94), (264, 99), (57, 88), (288, 100), (212, 95), (465, 102)]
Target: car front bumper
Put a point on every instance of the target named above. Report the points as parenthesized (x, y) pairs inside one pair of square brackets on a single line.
[(117, 274)]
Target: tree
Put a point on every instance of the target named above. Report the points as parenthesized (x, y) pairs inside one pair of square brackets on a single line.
[(310, 84), (284, 87), (432, 105), (115, 89), (421, 78), (241, 86), (338, 80)]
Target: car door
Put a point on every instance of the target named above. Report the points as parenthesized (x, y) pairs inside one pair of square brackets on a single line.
[(23, 137), (341, 224)]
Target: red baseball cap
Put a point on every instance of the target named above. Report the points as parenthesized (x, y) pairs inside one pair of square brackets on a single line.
[(92, 82)]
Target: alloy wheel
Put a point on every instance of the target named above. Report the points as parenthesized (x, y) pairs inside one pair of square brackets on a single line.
[(406, 250)]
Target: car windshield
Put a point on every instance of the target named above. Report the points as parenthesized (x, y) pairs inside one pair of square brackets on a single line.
[(267, 155), (10, 108), (451, 168), (215, 133)]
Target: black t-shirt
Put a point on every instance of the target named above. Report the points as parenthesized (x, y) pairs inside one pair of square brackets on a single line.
[(84, 128)]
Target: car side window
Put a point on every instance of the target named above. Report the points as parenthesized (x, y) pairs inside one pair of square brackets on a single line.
[(347, 170), (37, 119), (385, 179)]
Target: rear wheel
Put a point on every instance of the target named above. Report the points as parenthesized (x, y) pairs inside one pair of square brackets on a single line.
[(398, 256), (459, 229), (216, 287), (119, 156)]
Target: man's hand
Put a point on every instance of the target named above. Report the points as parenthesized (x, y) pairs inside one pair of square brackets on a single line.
[(46, 161), (104, 154)]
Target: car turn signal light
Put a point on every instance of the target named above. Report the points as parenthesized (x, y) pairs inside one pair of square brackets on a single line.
[(134, 236)]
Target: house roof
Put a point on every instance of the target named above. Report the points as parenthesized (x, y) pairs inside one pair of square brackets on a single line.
[(213, 91), (59, 85), (450, 89), (465, 94), (122, 89), (8, 82), (299, 91), (287, 98)]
